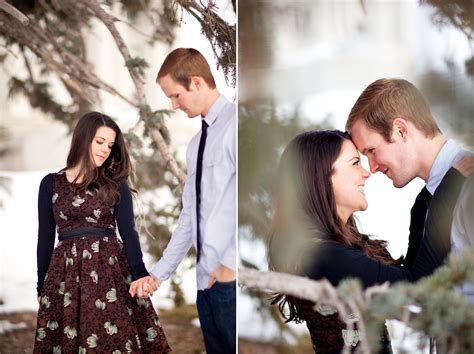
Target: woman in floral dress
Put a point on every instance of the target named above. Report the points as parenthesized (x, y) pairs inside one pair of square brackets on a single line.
[(83, 282)]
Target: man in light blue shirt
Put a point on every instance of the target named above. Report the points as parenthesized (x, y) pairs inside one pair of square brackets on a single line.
[(392, 125), (208, 217)]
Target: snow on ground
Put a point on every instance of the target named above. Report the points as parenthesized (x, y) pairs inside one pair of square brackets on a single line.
[(6, 326), (18, 237)]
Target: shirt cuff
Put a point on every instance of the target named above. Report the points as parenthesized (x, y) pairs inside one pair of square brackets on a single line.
[(229, 258), (160, 271)]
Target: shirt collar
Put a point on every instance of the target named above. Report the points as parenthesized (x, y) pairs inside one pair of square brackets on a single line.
[(449, 155), (215, 109)]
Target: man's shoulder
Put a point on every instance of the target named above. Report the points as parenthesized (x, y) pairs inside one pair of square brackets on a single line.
[(227, 122), (230, 112), (449, 188), (451, 178)]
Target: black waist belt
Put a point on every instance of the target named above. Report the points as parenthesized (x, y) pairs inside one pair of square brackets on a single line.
[(86, 231)]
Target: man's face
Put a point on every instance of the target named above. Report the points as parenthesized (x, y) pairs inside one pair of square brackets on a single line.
[(390, 158), (189, 101)]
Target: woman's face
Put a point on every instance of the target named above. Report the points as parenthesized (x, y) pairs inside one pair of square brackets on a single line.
[(348, 181), (101, 145)]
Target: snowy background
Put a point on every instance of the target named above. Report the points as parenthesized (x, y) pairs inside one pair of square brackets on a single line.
[(323, 55), (40, 146)]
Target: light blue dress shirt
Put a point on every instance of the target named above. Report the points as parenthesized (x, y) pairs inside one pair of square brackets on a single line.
[(448, 156), (218, 200)]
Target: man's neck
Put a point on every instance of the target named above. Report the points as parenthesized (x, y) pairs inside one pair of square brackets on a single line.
[(211, 98), (428, 150)]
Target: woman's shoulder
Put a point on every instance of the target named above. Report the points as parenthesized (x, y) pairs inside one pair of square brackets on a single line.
[(323, 252), (48, 180), (124, 187), (123, 184)]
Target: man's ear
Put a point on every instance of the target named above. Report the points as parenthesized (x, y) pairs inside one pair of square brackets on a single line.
[(197, 81), (400, 128)]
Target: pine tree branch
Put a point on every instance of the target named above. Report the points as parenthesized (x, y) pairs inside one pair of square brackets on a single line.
[(317, 291), (219, 33), (158, 138), (78, 76), (74, 74), (444, 313)]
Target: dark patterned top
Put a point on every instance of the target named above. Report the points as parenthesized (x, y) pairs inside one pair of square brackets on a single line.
[(60, 207), (334, 261), (329, 332)]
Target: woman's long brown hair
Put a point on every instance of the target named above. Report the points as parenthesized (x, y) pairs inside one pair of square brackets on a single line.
[(305, 211), (104, 180)]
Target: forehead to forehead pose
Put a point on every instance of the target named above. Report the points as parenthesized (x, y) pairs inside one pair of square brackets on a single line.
[(83, 282), (314, 234), (392, 125)]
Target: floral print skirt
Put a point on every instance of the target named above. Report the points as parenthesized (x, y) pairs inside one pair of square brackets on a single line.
[(85, 305)]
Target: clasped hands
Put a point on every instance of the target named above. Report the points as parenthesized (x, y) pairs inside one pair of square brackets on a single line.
[(146, 286)]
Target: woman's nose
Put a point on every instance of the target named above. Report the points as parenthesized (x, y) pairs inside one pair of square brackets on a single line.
[(366, 174)]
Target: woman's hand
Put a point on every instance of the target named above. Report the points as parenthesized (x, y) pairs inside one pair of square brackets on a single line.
[(144, 287)]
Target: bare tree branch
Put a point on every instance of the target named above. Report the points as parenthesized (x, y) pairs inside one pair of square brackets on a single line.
[(108, 21), (316, 291), (78, 76), (9, 9)]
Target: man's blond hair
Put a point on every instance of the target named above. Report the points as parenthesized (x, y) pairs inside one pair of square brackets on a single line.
[(386, 99)]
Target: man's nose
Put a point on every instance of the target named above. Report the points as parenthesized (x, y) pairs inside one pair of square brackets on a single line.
[(374, 167), (174, 104)]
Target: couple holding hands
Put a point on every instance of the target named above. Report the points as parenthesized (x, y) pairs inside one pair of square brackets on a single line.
[(93, 288)]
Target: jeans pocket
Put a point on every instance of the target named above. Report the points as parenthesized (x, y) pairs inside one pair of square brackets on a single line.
[(226, 283)]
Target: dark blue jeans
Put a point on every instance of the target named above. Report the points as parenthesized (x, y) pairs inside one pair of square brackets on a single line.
[(216, 308)]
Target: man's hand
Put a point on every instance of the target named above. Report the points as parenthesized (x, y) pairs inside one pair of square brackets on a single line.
[(465, 166), (145, 286), (222, 274)]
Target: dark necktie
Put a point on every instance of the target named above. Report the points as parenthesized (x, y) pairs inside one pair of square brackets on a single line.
[(202, 144), (417, 225)]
